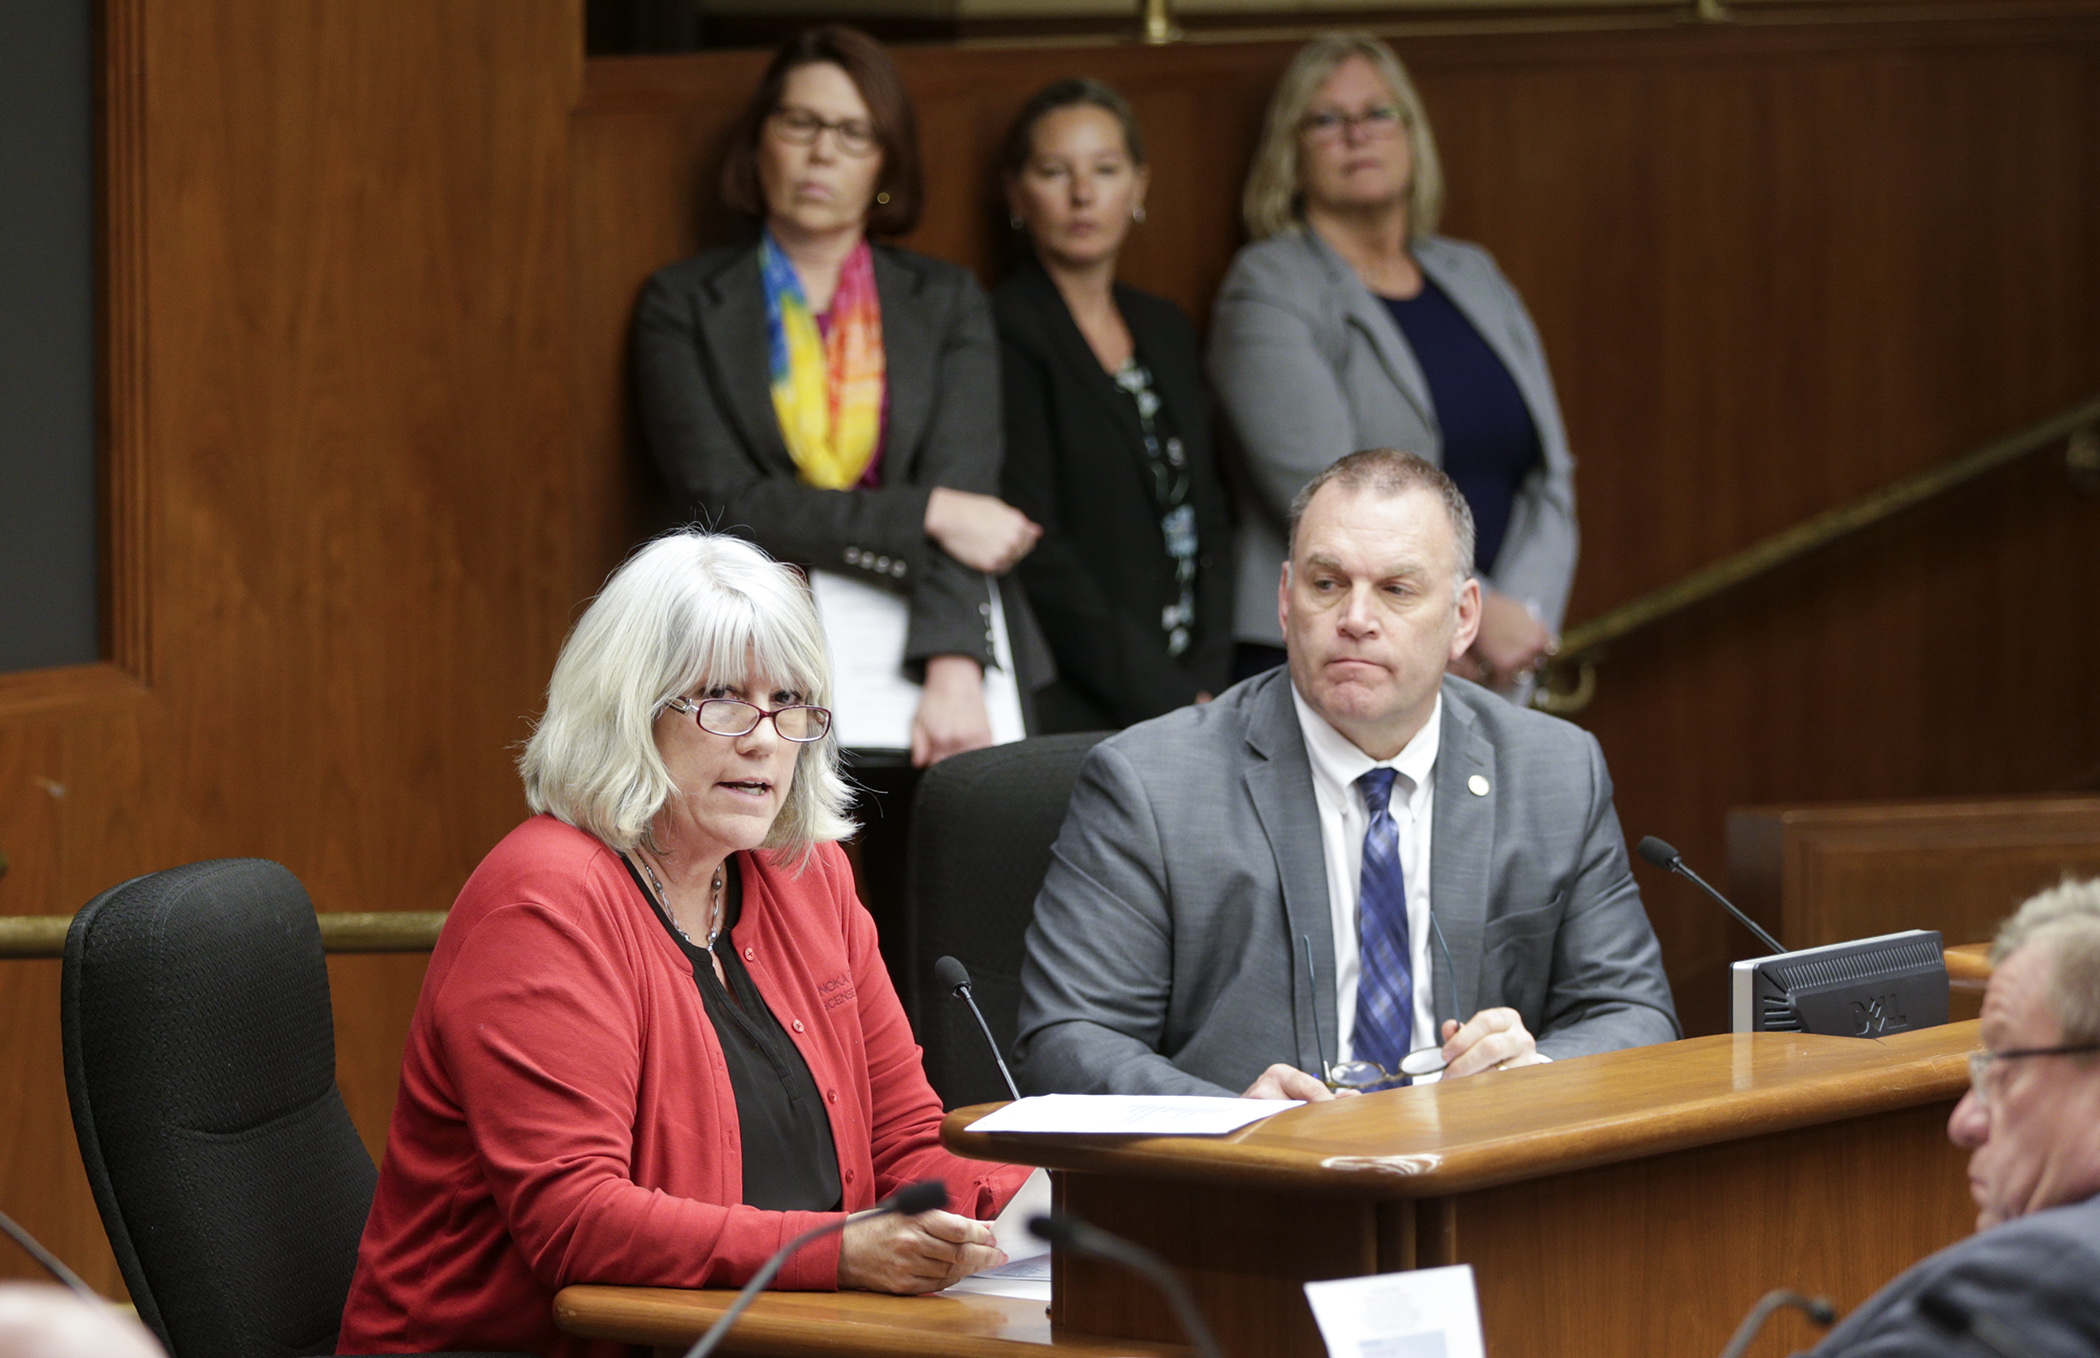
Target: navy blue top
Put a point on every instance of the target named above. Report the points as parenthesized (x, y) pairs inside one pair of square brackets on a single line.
[(1490, 443)]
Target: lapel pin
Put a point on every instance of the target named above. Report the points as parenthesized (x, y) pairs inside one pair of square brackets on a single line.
[(1478, 785)]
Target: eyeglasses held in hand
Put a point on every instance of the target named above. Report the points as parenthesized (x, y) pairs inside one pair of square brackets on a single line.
[(802, 127), (1363, 1075), (798, 722), (1380, 120)]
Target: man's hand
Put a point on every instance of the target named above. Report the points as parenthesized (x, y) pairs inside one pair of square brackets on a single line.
[(1288, 1082), (1493, 1039), (909, 1255)]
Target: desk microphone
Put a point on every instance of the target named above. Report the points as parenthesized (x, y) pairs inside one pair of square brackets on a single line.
[(1963, 1323), (1669, 860), (955, 977), (909, 1201), (1817, 1309), (51, 1262), (1069, 1232)]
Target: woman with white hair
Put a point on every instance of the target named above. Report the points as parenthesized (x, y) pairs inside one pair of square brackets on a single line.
[(1350, 324), (656, 1039)]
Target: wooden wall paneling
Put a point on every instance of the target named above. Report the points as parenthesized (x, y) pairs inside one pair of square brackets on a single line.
[(1778, 319), (337, 399), (1824, 874)]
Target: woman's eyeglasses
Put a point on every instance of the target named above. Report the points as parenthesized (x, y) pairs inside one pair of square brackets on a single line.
[(1380, 120), (798, 722), (800, 126)]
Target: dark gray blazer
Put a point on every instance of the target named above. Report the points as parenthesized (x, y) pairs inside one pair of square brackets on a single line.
[(1075, 463), (1166, 957), (706, 393), (2037, 1276), (1310, 367)]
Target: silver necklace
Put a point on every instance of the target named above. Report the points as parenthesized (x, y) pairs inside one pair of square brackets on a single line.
[(714, 917)]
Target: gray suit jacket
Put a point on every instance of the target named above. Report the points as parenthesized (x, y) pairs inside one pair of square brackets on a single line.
[(1310, 367), (706, 394), (2037, 1276), (1166, 954)]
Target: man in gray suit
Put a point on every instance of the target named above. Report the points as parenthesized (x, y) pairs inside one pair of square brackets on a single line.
[(1240, 896), (2028, 1282)]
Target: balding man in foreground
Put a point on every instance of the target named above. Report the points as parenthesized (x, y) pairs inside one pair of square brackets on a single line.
[(2028, 1282)]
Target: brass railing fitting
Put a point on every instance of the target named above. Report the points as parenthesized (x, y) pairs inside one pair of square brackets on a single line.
[(1156, 22), (2081, 460)]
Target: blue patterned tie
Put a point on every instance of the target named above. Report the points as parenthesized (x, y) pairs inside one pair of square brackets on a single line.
[(1385, 988)]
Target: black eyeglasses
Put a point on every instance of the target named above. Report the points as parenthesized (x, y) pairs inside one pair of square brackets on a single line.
[(798, 722), (1981, 1061), (802, 127), (1380, 120)]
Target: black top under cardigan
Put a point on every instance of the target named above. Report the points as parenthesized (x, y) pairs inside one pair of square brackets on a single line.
[(1075, 463)]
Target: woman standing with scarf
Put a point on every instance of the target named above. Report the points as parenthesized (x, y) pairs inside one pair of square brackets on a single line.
[(838, 402)]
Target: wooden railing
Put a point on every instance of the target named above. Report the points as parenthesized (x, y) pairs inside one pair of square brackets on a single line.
[(341, 932), (1570, 679)]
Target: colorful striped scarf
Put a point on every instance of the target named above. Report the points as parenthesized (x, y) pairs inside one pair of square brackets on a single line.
[(827, 389)]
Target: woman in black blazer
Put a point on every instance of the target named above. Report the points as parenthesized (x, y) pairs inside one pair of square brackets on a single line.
[(1107, 431), (824, 158)]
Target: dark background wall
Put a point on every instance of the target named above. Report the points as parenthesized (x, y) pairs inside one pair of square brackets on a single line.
[(48, 547)]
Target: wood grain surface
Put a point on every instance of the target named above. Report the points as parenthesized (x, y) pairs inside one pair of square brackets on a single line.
[(798, 1324), (1459, 1135), (336, 429), (1637, 1202), (1824, 874)]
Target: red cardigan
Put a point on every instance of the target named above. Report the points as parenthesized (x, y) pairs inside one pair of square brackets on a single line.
[(565, 1114)]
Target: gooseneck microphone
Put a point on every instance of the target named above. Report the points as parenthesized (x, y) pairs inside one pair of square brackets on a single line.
[(1961, 1322), (52, 1264), (1817, 1309), (1070, 1233), (908, 1201), (955, 978), (1669, 860)]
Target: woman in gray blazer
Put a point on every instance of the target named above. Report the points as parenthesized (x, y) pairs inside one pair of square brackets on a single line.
[(1350, 324)]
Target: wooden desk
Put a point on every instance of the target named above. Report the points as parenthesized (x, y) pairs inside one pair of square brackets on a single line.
[(796, 1324), (1631, 1203)]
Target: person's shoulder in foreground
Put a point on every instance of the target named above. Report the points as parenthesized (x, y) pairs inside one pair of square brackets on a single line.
[(2036, 1278), (2028, 1282)]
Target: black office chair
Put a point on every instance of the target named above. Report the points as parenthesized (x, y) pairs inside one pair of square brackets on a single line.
[(200, 1062), (982, 826)]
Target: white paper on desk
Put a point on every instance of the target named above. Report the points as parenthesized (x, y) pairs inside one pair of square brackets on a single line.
[(1026, 1272), (1028, 1278), (872, 699), (1423, 1313), (1130, 1114)]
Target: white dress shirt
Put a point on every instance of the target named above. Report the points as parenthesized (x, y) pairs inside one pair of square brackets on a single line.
[(1336, 765)]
